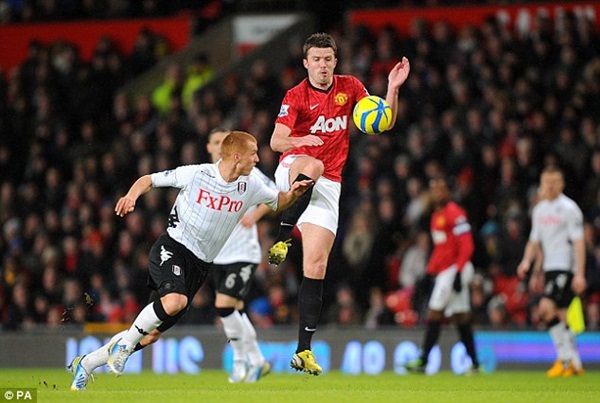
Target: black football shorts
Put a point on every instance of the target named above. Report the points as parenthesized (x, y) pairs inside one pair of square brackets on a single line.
[(233, 279), (557, 287)]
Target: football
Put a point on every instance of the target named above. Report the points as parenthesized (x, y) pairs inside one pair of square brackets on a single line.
[(372, 115)]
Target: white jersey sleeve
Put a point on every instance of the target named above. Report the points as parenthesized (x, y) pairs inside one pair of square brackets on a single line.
[(176, 178), (574, 222)]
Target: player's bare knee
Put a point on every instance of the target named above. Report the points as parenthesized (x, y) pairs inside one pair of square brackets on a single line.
[(318, 168), (309, 166), (173, 303), (315, 270)]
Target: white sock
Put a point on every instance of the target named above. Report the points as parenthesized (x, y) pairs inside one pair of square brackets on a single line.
[(572, 348), (146, 322), (99, 357), (233, 326), (558, 334), (251, 347)]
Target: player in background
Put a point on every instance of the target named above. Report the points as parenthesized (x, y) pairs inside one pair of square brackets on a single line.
[(312, 133), (212, 200), (232, 272), (450, 266), (557, 237)]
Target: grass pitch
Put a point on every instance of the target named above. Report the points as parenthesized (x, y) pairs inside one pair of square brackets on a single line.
[(211, 386)]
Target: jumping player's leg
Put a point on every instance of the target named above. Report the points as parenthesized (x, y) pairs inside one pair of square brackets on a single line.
[(317, 243), (300, 168)]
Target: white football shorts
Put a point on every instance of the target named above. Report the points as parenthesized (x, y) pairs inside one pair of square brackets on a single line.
[(444, 298), (324, 207)]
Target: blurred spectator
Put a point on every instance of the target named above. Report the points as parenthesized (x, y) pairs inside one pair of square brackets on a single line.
[(356, 248), (496, 311), (511, 245), (345, 310), (378, 313), (414, 261), (164, 96), (199, 73), (21, 314)]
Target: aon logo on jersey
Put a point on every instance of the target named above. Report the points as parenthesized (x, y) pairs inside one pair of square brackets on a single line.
[(438, 237), (329, 125)]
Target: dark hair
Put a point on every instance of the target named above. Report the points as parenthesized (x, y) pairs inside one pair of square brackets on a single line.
[(551, 169), (218, 129), (319, 40)]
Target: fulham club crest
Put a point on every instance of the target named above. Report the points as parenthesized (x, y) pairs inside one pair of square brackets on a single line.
[(242, 187), (176, 270)]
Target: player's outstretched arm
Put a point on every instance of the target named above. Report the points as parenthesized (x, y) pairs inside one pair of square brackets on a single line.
[(249, 219), (396, 78), (282, 142), (286, 199), (529, 256), (126, 204)]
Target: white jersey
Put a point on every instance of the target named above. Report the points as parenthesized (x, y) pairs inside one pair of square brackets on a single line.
[(243, 245), (208, 208), (555, 224)]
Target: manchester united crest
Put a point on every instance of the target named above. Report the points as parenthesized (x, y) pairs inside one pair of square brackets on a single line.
[(341, 99), (242, 187)]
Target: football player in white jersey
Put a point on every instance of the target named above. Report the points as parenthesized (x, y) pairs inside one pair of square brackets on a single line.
[(232, 272), (556, 250), (212, 200)]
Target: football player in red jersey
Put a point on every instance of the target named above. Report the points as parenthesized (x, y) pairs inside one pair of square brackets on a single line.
[(450, 265), (312, 133)]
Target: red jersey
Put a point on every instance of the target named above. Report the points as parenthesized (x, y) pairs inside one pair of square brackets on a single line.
[(324, 113), (452, 239)]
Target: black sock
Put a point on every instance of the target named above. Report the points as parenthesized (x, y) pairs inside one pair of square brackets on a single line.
[(553, 322), (225, 312), (310, 300), (432, 333), (290, 216), (466, 336)]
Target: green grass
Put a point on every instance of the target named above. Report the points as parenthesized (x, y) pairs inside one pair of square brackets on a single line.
[(211, 386)]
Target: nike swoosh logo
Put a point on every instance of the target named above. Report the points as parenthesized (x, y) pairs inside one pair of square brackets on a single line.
[(309, 329), (313, 106)]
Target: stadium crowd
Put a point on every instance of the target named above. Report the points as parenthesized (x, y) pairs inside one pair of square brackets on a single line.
[(483, 104)]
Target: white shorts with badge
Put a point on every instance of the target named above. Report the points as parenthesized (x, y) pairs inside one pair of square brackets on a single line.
[(324, 207), (444, 298)]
